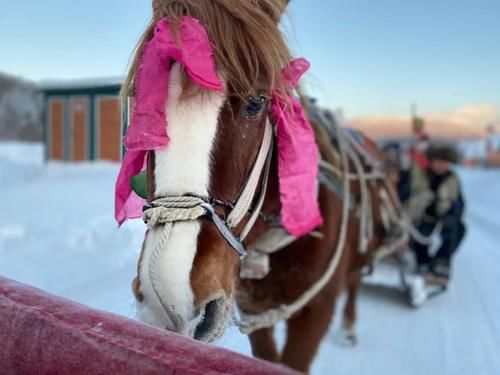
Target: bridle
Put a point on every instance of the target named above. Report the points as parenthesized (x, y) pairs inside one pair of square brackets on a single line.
[(167, 210), (162, 212), (189, 207)]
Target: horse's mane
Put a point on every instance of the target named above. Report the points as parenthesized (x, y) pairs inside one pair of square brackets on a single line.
[(248, 45)]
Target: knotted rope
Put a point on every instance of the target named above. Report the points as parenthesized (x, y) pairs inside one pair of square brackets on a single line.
[(168, 210), (366, 215), (164, 212)]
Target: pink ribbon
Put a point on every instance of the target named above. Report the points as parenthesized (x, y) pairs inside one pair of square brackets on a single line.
[(298, 157), (297, 150), (148, 129)]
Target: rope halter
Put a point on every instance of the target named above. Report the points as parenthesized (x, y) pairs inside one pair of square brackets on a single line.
[(171, 209), (163, 212)]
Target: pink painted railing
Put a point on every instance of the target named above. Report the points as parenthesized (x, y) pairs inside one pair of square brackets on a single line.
[(44, 334)]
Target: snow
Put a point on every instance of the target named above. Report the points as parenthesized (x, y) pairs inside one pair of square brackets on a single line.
[(28, 154), (19, 162), (57, 233)]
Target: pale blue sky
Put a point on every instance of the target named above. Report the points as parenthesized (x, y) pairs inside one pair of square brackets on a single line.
[(369, 56)]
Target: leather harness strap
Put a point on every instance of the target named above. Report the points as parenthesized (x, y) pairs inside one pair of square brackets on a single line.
[(240, 209)]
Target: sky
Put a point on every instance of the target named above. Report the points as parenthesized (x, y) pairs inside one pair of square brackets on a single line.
[(370, 58)]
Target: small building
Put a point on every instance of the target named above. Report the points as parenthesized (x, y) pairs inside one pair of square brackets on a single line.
[(83, 120)]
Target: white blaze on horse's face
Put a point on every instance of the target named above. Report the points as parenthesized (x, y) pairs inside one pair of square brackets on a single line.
[(183, 167)]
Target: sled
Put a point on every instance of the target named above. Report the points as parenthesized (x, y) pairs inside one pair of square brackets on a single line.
[(396, 271)]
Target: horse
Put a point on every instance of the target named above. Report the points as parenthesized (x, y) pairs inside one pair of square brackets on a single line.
[(220, 143)]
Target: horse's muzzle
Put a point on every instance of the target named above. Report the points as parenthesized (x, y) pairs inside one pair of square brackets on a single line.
[(206, 324)]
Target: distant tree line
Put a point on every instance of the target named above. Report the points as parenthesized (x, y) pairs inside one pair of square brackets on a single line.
[(21, 108)]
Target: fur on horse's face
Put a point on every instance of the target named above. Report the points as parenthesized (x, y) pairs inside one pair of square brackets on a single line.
[(183, 167), (213, 145)]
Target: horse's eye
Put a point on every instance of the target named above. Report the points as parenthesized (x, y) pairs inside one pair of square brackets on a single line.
[(255, 105)]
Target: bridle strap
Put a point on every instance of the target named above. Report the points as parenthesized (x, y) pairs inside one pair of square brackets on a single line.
[(226, 232), (247, 195), (262, 195), (171, 209)]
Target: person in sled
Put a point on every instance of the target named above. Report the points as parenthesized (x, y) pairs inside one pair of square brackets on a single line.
[(435, 201)]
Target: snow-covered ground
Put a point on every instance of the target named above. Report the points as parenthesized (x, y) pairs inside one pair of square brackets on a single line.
[(57, 233)]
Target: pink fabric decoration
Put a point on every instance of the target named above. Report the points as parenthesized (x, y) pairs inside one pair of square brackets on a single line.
[(148, 129), (298, 157), (297, 150)]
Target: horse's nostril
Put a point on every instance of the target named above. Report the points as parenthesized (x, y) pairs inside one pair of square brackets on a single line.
[(212, 320)]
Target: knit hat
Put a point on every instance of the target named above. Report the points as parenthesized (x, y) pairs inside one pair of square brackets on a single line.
[(443, 152)]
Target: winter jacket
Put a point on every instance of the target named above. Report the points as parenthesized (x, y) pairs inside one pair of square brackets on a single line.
[(433, 197)]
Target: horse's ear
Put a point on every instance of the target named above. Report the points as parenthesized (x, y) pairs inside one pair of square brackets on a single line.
[(275, 8)]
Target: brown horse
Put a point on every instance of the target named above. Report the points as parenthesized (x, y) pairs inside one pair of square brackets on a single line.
[(187, 282)]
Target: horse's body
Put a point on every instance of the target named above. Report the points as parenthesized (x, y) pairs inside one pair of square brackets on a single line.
[(297, 267), (188, 272)]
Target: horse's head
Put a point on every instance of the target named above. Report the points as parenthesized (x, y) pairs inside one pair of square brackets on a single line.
[(214, 140)]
